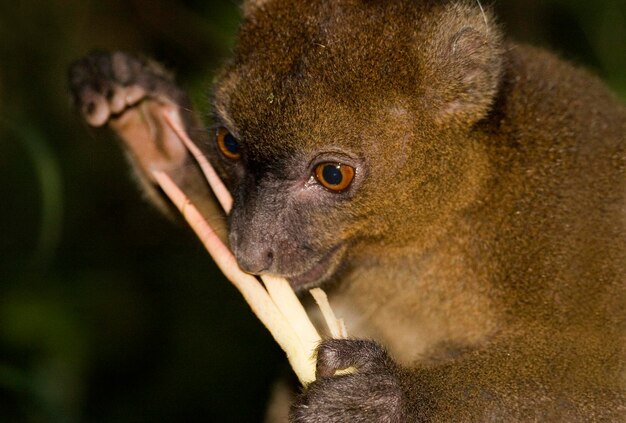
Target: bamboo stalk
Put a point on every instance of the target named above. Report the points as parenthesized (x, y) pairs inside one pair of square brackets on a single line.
[(336, 326), (288, 303), (277, 306), (300, 357), (217, 186)]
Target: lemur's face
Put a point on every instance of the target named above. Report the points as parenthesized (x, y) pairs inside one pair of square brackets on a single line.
[(328, 132)]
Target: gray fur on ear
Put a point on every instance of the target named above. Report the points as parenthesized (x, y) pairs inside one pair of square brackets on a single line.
[(467, 65)]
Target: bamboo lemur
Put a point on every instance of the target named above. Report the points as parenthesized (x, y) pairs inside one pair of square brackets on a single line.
[(462, 198)]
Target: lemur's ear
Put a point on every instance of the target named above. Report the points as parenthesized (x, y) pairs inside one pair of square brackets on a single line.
[(464, 63)]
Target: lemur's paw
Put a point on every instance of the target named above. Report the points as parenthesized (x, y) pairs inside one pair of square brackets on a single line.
[(105, 85), (371, 393)]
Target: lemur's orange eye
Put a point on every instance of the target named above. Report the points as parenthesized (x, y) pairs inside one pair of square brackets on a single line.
[(227, 144), (334, 176)]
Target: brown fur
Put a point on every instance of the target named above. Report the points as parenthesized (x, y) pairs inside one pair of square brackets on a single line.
[(483, 239), (492, 210)]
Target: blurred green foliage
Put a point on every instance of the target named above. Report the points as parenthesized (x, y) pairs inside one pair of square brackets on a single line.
[(108, 312)]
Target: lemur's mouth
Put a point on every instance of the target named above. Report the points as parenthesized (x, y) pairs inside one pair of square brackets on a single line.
[(319, 272)]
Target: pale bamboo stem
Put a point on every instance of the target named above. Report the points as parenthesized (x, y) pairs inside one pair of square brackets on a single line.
[(278, 308), (336, 326), (288, 303), (219, 189), (259, 300)]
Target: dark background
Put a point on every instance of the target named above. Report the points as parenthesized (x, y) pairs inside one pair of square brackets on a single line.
[(109, 313)]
